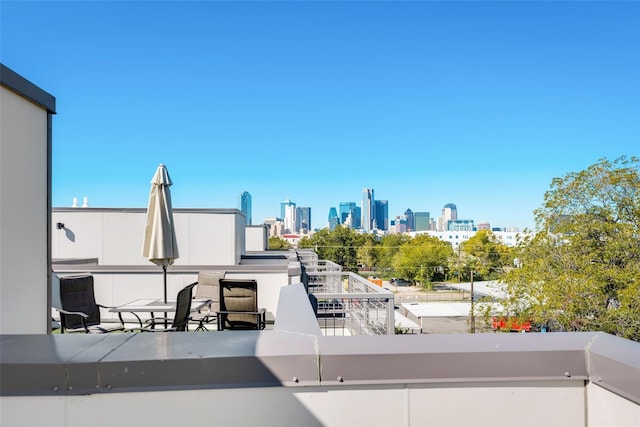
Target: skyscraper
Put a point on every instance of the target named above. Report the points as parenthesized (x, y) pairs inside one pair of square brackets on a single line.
[(411, 225), (290, 218), (346, 208), (283, 207), (367, 209), (421, 221), (334, 220), (244, 205), (381, 213), (449, 213), (356, 218), (304, 219)]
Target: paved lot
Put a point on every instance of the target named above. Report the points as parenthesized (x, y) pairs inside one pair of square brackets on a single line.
[(456, 324)]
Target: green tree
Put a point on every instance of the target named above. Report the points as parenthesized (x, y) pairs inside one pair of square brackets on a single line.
[(317, 242), (423, 259), (307, 243), (339, 245), (581, 269), (276, 242), (368, 253), (488, 255), (389, 248)]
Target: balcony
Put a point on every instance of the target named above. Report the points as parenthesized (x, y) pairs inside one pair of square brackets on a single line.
[(293, 375), (343, 366), (311, 374)]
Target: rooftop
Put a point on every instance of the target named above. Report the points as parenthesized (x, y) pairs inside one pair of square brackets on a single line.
[(291, 374)]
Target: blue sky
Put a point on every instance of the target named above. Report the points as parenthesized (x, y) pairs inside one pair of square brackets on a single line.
[(480, 103)]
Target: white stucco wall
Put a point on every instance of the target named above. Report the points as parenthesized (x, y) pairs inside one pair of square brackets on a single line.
[(115, 236), (257, 238), (361, 405), (23, 215)]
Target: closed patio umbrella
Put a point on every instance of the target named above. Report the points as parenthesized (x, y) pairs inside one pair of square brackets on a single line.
[(160, 245)]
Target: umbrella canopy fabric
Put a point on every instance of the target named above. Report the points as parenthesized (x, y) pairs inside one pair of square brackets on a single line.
[(160, 245)]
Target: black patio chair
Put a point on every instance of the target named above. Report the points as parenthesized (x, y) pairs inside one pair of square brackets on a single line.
[(180, 321), (79, 311)]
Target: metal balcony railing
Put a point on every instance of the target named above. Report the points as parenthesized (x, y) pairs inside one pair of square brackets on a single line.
[(348, 304)]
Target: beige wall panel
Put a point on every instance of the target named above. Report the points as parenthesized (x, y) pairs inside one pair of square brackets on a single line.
[(23, 216)]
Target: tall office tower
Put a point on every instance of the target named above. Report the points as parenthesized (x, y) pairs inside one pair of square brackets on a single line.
[(348, 222), (346, 208), (334, 219), (367, 209), (421, 221), (290, 218), (304, 220), (381, 212), (356, 218), (283, 207), (449, 213), (411, 225), (244, 204)]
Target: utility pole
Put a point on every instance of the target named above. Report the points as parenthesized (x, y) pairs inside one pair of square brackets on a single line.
[(459, 278), (473, 316)]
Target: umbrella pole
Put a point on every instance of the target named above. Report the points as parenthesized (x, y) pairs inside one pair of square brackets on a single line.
[(164, 271)]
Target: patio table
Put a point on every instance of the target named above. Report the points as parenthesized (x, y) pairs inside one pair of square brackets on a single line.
[(151, 306)]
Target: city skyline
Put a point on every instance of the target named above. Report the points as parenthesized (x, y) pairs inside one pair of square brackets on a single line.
[(433, 215), (481, 104)]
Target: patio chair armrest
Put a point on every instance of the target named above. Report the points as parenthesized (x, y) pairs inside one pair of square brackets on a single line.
[(260, 311), (63, 323), (74, 313), (261, 317)]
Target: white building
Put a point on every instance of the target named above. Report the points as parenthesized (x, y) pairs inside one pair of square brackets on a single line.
[(455, 238)]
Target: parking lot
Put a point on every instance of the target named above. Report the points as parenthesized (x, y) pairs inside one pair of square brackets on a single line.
[(405, 296)]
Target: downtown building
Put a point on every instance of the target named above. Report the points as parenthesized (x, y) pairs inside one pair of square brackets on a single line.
[(244, 205)]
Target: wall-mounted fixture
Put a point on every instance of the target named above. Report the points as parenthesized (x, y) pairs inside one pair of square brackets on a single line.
[(59, 225)]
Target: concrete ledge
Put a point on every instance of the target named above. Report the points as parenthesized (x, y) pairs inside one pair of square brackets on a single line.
[(294, 312), (87, 364), (79, 364), (454, 358), (614, 364)]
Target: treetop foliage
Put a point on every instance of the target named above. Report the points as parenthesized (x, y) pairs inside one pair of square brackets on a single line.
[(581, 270)]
